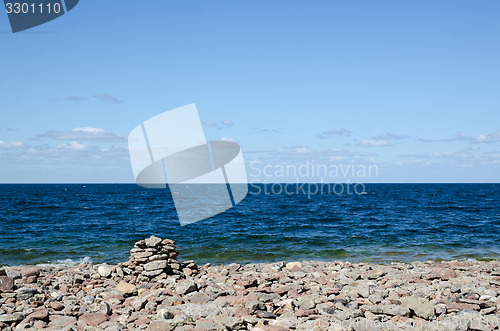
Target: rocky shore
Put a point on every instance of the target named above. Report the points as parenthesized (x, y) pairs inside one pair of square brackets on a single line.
[(154, 291)]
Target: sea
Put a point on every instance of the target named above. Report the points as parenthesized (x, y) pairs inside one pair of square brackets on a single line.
[(383, 223)]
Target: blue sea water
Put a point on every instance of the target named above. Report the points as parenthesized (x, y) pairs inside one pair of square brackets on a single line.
[(63, 223)]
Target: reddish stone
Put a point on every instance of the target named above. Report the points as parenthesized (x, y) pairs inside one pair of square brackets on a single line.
[(461, 306), (40, 314), (30, 271), (94, 319), (240, 312), (6, 283), (282, 289), (273, 328), (142, 321), (57, 306), (233, 267), (247, 282), (31, 279), (305, 313)]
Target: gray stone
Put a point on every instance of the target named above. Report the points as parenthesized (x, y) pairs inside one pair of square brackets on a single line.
[(347, 314), (155, 265), (186, 287), (88, 300), (25, 293), (305, 302), (12, 317), (158, 257), (165, 314), (104, 271), (12, 272), (364, 290), (420, 306), (139, 303), (63, 321), (392, 310), (195, 310), (255, 305), (152, 273), (142, 255), (153, 241)]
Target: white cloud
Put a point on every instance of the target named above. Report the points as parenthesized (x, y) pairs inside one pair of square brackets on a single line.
[(107, 98), (74, 146), (84, 133), (301, 150), (372, 143), (209, 123), (336, 132), (390, 136), (227, 123), (11, 144)]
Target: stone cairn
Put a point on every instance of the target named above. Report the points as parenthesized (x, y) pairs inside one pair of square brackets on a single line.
[(153, 259)]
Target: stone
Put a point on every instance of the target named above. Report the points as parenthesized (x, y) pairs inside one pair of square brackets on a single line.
[(392, 310), (142, 255), (88, 300), (155, 265), (282, 289), (139, 303), (153, 241), (6, 283), (364, 290), (12, 317), (152, 273), (305, 302), (40, 314), (30, 271), (447, 274), (233, 267), (57, 306), (247, 282), (104, 271), (160, 326), (265, 314), (158, 257), (440, 309), (255, 305), (185, 287), (12, 272), (61, 321), (126, 288), (457, 306), (199, 297), (293, 265), (94, 319), (165, 314), (25, 293), (420, 306)]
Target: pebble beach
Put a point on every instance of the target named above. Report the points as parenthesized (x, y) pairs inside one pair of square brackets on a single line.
[(155, 291)]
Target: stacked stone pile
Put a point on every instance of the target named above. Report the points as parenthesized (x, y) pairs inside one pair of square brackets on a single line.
[(153, 259)]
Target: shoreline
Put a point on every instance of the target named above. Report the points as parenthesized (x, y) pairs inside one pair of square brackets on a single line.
[(154, 291)]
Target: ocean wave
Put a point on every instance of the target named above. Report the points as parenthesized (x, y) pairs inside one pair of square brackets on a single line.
[(66, 262)]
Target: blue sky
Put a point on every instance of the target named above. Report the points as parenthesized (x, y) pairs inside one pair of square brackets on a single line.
[(412, 87)]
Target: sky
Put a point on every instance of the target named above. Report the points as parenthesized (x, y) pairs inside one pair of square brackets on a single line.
[(408, 88)]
